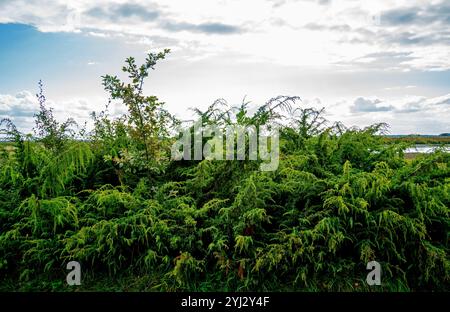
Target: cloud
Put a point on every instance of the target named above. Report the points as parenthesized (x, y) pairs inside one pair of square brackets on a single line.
[(441, 100), (130, 10), (150, 12), (23, 104), (301, 28), (422, 29), (400, 87), (125, 11), (22, 107), (19, 108), (207, 28), (412, 107), (401, 16), (408, 104), (322, 27), (405, 115), (279, 3), (384, 60), (406, 38), (438, 104), (363, 105), (418, 15)]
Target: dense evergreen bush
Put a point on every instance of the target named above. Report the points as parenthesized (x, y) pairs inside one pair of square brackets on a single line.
[(114, 201)]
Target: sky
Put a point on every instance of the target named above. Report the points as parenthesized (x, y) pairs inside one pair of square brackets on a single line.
[(365, 62)]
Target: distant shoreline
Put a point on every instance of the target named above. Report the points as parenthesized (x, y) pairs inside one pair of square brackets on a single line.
[(418, 139)]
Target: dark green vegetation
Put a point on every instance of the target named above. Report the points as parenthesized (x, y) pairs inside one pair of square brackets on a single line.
[(114, 201), (417, 139)]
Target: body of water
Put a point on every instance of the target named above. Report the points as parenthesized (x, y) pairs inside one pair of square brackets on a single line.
[(422, 148)]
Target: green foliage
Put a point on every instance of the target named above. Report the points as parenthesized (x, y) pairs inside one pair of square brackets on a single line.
[(51, 133), (147, 122), (116, 203)]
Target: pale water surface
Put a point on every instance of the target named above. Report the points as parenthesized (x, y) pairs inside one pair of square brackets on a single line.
[(424, 148)]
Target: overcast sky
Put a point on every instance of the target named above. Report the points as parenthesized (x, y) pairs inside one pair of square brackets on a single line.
[(364, 61)]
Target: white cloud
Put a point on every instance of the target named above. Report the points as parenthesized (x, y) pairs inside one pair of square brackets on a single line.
[(22, 107), (363, 105), (19, 108), (405, 115), (21, 104), (341, 51), (400, 87), (287, 32)]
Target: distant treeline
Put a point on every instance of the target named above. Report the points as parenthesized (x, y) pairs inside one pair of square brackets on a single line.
[(443, 138)]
